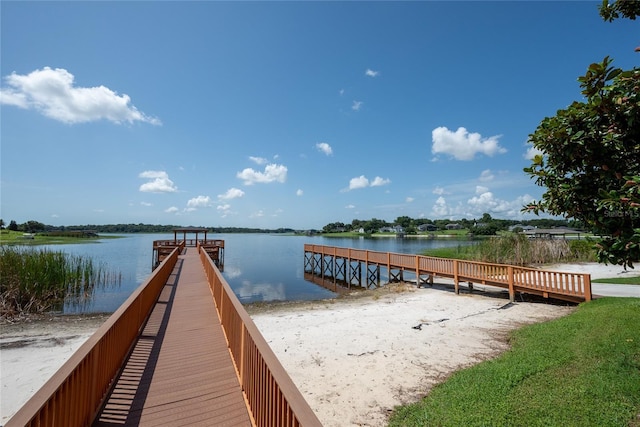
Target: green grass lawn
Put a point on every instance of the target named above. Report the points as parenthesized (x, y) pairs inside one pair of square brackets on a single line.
[(632, 280), (580, 370), (17, 237)]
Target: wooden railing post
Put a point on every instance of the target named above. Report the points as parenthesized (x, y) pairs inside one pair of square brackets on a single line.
[(455, 276), (586, 278), (511, 278)]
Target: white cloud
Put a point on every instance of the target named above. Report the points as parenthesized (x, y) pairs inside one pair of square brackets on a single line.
[(258, 160), (371, 73), (440, 208), (159, 182), (299, 192), (232, 193), (272, 172), (258, 214), (356, 105), (463, 145), (146, 204), (350, 207), (486, 175), (532, 152), (341, 92), (224, 210), (488, 202), (377, 181), (172, 209), (52, 93), (363, 182), (481, 189), (409, 199), (324, 148), (358, 182), (199, 202)]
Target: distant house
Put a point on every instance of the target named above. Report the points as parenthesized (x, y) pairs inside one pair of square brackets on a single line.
[(522, 227), (361, 230), (386, 230), (453, 226), (554, 233), (427, 227)]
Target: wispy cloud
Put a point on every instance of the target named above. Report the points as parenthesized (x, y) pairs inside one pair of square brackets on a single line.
[(439, 191), (463, 145), (325, 148), (486, 175), (52, 93), (371, 73), (258, 160), (272, 173), (172, 209), (159, 182), (299, 192), (356, 106)]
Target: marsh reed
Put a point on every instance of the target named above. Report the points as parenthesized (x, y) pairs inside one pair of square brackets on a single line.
[(516, 249), (37, 280)]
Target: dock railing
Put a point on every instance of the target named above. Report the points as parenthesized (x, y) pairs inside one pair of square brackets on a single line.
[(272, 397), (561, 285), (74, 394)]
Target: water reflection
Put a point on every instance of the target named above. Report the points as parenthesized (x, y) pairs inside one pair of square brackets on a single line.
[(258, 267), (250, 292)]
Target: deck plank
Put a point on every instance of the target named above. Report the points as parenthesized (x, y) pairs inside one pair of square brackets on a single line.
[(180, 371)]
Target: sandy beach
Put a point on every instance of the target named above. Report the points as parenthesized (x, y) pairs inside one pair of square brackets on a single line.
[(354, 358)]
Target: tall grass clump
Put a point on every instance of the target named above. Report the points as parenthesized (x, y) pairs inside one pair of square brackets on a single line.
[(37, 280), (517, 249)]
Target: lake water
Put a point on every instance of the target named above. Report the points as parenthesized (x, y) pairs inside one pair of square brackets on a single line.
[(258, 267)]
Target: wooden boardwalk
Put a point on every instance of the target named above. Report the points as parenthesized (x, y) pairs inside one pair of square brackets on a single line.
[(180, 371)]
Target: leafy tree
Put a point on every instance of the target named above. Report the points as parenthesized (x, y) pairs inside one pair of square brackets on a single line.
[(625, 8), (404, 221), (589, 161), (1, 224), (33, 226), (13, 226)]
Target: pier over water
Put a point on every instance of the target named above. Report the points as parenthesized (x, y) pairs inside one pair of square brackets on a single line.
[(181, 351)]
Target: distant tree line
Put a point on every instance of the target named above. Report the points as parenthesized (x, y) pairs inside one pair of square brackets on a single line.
[(486, 225), (38, 227)]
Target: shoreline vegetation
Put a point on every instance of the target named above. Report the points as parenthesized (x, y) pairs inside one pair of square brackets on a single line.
[(39, 280)]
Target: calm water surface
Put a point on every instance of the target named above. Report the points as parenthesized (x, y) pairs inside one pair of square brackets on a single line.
[(258, 267)]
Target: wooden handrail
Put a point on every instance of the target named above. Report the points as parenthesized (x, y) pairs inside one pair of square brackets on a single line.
[(75, 393), (272, 397), (572, 286)]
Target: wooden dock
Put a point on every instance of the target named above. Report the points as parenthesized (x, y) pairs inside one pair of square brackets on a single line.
[(345, 267), (180, 351), (180, 372)]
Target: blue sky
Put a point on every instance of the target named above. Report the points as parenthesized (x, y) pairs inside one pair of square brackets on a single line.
[(284, 114)]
